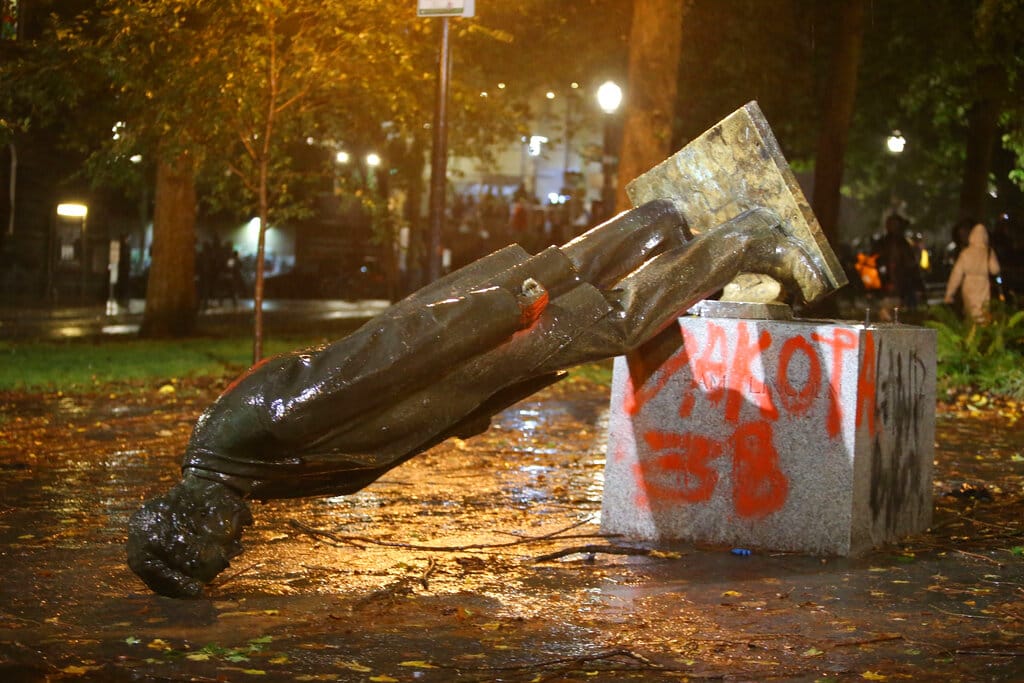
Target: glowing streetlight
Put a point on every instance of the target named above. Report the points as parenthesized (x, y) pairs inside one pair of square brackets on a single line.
[(81, 212), (341, 157), (609, 97), (72, 210), (373, 160), (895, 142)]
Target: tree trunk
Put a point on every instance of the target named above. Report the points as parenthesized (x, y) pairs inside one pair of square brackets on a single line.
[(171, 291), (982, 135), (655, 42), (838, 111)]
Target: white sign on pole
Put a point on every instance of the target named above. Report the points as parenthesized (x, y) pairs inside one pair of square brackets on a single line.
[(445, 8)]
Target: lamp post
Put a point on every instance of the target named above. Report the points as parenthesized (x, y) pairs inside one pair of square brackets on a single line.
[(609, 97), (895, 144), (80, 211)]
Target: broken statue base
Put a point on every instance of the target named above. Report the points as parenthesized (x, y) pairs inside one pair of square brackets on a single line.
[(785, 435)]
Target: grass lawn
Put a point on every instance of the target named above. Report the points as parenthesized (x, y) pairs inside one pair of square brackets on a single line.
[(79, 364)]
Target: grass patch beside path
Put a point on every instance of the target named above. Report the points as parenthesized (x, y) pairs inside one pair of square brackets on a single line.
[(78, 364)]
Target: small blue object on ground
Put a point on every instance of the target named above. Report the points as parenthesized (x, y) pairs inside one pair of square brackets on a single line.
[(741, 551)]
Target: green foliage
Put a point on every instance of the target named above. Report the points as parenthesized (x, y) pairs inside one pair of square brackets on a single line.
[(598, 373), (980, 357), (910, 81)]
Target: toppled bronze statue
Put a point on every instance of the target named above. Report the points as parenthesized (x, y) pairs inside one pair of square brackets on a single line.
[(440, 363)]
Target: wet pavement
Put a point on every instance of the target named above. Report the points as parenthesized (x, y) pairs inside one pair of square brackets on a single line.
[(113, 319), (438, 571)]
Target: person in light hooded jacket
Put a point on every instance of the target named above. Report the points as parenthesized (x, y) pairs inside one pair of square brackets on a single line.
[(971, 274)]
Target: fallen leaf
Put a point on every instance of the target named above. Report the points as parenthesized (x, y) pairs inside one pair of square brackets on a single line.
[(74, 670), (731, 594), (812, 652), (872, 676), (383, 679), (354, 666), (417, 663), (158, 644)]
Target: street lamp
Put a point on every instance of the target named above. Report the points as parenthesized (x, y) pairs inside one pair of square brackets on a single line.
[(895, 142), (895, 145), (80, 211), (609, 97), (73, 210), (373, 162)]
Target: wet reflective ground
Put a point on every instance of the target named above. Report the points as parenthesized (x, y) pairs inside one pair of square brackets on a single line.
[(432, 575)]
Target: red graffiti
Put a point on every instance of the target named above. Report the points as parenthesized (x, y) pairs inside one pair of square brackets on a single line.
[(759, 487), (680, 471), (798, 401), (725, 370), (720, 374), (866, 382), (843, 340), (637, 398)]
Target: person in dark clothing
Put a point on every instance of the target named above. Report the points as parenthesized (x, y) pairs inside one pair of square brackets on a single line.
[(898, 266), (439, 364)]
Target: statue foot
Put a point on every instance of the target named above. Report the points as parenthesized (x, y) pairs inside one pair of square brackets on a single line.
[(770, 248)]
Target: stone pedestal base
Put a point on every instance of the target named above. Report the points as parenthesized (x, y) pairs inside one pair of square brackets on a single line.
[(787, 435)]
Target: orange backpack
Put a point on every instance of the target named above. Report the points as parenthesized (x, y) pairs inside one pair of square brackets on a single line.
[(867, 268)]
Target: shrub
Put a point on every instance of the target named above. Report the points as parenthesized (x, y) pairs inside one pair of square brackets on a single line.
[(988, 358)]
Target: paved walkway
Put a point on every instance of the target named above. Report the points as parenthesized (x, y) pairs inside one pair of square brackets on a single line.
[(67, 322)]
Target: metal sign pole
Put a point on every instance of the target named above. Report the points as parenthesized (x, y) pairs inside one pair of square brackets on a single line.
[(439, 160)]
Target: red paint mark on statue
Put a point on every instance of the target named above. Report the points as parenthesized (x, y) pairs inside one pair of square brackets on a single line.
[(238, 380), (759, 486), (730, 375), (798, 401), (741, 374), (842, 341), (680, 471), (866, 384), (636, 399)]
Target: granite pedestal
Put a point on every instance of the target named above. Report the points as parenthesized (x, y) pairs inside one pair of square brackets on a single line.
[(787, 435)]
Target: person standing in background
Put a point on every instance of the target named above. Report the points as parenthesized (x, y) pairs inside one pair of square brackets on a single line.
[(971, 274)]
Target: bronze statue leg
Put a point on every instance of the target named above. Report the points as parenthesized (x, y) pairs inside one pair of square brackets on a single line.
[(651, 297), (608, 252)]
